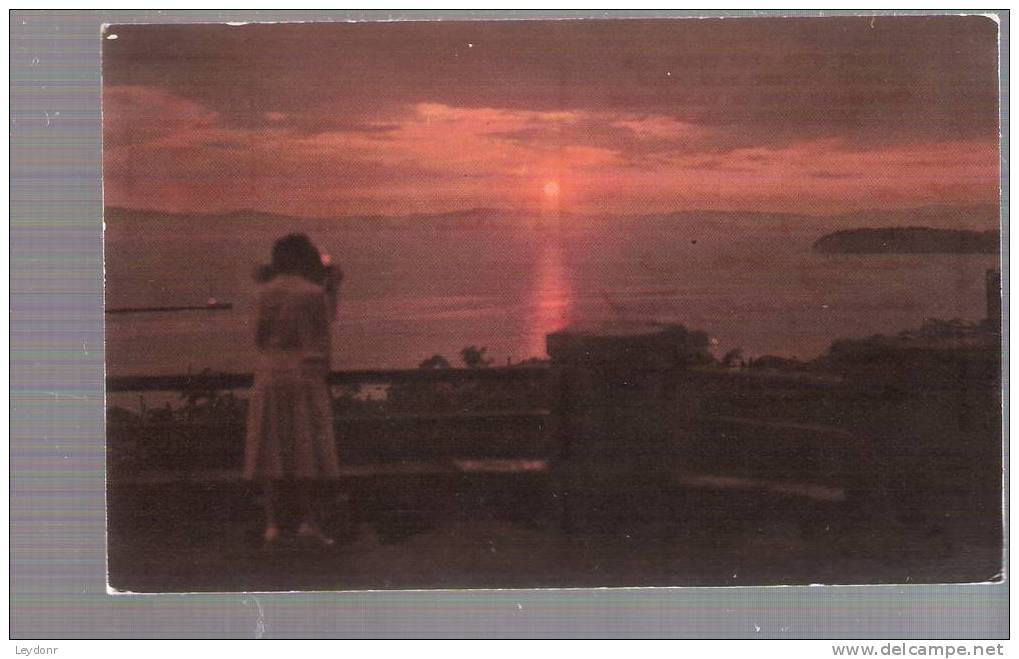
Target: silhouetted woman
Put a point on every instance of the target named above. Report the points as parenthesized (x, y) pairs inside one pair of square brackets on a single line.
[(290, 422)]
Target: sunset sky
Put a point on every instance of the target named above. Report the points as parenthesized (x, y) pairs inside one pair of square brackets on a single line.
[(624, 116)]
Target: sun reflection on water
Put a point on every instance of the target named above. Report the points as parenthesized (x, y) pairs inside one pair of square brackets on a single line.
[(550, 306)]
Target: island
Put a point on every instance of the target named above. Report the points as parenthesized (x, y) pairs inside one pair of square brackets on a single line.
[(908, 240)]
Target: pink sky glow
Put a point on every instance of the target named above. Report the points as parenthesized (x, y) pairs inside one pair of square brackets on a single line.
[(337, 119)]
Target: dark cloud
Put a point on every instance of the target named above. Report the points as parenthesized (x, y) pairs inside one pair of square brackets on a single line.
[(333, 118), (763, 80)]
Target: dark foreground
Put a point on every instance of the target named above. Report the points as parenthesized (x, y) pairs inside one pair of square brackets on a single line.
[(497, 535), (642, 475)]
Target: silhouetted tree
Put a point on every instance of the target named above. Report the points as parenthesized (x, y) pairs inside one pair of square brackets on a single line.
[(435, 361), (474, 357), (732, 358)]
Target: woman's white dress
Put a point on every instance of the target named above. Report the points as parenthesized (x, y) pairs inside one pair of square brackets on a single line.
[(290, 420)]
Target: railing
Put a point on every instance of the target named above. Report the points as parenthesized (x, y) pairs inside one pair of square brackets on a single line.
[(708, 432), (793, 436), (223, 381), (513, 429)]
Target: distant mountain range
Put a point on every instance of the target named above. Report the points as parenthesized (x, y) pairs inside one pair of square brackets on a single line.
[(972, 218), (975, 218)]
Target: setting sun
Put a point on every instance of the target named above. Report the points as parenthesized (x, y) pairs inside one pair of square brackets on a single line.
[(552, 189)]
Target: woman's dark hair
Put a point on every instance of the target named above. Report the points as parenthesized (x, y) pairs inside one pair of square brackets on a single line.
[(294, 255)]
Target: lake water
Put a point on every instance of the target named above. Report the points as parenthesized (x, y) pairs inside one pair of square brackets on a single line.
[(413, 292)]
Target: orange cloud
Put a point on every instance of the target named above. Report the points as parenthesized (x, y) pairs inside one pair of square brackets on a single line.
[(169, 152)]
